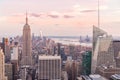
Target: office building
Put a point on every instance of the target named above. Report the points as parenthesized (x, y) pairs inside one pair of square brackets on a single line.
[(86, 63), (103, 52), (116, 46), (2, 66), (14, 53), (9, 71), (49, 67), (26, 54), (72, 67), (96, 33), (107, 72), (6, 49), (14, 60)]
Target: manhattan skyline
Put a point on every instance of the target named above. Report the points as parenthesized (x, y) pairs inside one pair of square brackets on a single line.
[(59, 17)]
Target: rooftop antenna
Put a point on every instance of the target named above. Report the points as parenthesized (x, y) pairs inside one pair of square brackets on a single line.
[(98, 13), (26, 18)]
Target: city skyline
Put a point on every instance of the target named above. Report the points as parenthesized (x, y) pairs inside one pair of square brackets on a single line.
[(59, 39), (58, 18)]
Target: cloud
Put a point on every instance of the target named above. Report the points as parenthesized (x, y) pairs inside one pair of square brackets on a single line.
[(82, 9), (87, 11), (35, 15), (68, 16), (79, 9), (54, 14)]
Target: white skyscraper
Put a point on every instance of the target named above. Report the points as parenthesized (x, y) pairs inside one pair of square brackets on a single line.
[(14, 53), (2, 66), (103, 53), (41, 35)]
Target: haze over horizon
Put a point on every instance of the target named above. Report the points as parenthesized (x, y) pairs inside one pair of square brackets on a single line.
[(59, 17)]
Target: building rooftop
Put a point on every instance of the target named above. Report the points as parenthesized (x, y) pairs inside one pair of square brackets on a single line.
[(85, 77), (97, 77), (116, 76), (48, 57), (116, 41)]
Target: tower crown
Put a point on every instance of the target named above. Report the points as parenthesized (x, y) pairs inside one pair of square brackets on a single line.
[(26, 18), (26, 26)]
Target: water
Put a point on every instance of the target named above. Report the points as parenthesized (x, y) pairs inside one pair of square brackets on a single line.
[(73, 41)]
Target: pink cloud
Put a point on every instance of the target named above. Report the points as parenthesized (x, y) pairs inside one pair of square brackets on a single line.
[(87, 11), (68, 16), (35, 15), (53, 14)]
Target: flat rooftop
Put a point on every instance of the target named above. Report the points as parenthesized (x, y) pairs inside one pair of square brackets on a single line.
[(97, 77), (116, 76), (48, 57)]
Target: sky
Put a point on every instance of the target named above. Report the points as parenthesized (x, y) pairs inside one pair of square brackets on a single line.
[(59, 17)]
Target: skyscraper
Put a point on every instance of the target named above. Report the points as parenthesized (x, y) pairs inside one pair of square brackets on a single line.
[(86, 63), (103, 53), (2, 66), (9, 71), (96, 33), (49, 67), (26, 54)]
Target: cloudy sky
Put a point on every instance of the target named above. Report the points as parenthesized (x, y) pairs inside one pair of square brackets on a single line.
[(59, 17)]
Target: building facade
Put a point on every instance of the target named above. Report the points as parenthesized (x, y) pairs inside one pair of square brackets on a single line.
[(14, 53), (103, 52), (9, 71), (49, 68), (2, 66), (26, 54), (86, 63), (116, 46)]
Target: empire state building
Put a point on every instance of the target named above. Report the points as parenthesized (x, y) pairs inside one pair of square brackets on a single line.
[(26, 54)]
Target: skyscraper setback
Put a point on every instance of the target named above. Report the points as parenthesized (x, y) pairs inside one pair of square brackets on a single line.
[(26, 55)]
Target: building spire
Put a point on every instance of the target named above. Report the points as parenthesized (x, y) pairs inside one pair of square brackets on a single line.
[(98, 13), (26, 18)]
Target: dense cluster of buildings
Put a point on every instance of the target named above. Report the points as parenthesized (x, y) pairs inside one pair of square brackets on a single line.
[(40, 58)]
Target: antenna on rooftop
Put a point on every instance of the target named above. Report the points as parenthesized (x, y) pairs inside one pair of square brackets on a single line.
[(98, 13)]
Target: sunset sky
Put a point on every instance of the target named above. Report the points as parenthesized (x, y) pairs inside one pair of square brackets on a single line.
[(59, 17)]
